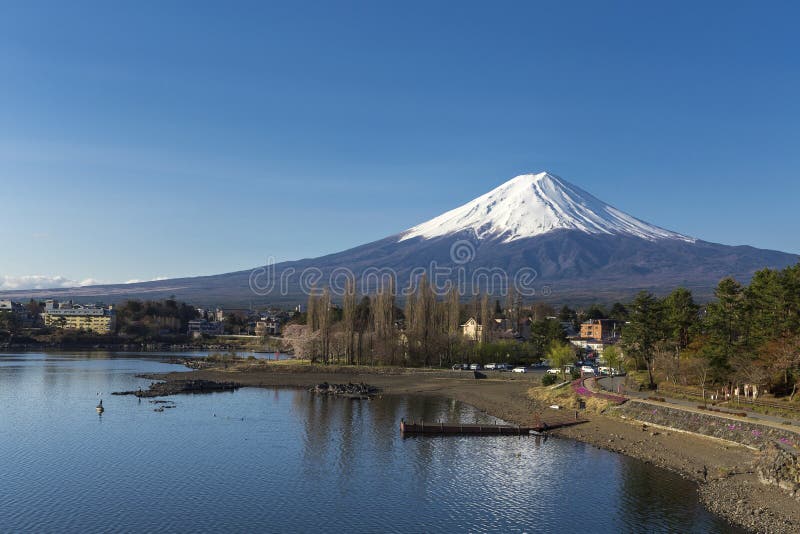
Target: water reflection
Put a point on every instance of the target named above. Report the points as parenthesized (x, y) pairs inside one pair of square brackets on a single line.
[(284, 460)]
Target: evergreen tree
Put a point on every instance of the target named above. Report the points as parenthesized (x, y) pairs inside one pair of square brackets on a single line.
[(644, 329), (680, 317), (725, 324), (618, 312)]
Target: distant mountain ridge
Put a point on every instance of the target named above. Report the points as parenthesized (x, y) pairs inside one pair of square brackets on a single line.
[(571, 246)]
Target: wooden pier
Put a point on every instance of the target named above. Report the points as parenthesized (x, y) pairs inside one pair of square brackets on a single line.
[(483, 430)]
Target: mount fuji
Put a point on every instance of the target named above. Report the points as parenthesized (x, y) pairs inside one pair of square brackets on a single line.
[(571, 246), (532, 205)]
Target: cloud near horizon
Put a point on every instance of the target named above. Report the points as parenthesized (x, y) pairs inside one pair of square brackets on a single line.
[(40, 281)]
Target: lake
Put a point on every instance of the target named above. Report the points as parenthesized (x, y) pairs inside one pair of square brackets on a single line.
[(282, 460)]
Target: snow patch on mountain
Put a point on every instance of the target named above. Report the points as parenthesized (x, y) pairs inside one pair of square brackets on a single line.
[(534, 204)]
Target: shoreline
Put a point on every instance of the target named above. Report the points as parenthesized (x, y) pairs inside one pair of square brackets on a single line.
[(730, 488)]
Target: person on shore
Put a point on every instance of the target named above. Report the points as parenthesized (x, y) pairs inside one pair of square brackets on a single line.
[(705, 474)]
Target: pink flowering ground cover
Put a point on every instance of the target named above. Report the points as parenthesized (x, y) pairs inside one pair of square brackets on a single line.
[(580, 389)]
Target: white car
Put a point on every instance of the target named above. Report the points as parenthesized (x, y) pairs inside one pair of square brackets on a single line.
[(587, 369), (520, 369), (490, 366), (553, 371)]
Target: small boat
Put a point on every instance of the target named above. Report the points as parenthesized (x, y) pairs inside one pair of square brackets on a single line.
[(99, 407)]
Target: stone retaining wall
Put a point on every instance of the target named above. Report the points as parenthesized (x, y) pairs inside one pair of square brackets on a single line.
[(736, 430)]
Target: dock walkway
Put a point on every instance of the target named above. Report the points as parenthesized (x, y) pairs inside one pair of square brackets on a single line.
[(485, 430)]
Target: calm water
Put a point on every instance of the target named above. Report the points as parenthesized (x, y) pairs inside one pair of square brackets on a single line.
[(281, 460)]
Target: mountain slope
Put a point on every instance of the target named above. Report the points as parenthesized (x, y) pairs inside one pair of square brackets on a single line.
[(571, 247)]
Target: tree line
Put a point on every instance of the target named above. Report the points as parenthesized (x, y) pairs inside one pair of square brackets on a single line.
[(749, 334), (424, 330)]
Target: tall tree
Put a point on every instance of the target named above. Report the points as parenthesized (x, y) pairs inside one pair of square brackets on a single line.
[(726, 323), (349, 319), (595, 311), (680, 317), (643, 330), (363, 319), (453, 312), (560, 355), (613, 357), (486, 318), (618, 312), (383, 317), (323, 320), (512, 309)]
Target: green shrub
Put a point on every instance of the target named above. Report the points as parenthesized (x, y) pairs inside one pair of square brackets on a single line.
[(549, 380)]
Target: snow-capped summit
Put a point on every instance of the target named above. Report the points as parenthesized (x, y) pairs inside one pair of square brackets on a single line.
[(530, 205)]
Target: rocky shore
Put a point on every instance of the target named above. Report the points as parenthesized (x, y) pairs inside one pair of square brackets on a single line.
[(350, 390), (739, 500)]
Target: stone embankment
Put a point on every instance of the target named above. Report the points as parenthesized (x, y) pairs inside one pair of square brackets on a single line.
[(731, 428)]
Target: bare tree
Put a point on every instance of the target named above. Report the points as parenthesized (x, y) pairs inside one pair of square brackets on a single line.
[(384, 332), (700, 368), (349, 320), (486, 317), (666, 361)]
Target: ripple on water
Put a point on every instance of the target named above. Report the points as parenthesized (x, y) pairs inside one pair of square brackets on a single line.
[(286, 461)]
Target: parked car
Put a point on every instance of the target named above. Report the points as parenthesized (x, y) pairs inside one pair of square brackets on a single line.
[(460, 367), (476, 367), (503, 367), (520, 369), (553, 371), (490, 366), (588, 369)]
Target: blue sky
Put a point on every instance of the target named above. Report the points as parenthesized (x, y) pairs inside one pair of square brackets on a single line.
[(158, 139)]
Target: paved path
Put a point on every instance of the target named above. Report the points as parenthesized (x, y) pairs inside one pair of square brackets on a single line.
[(613, 383)]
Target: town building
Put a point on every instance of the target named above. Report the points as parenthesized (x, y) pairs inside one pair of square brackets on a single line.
[(12, 307), (91, 318), (472, 330), (200, 327), (268, 327), (600, 329), (24, 317)]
